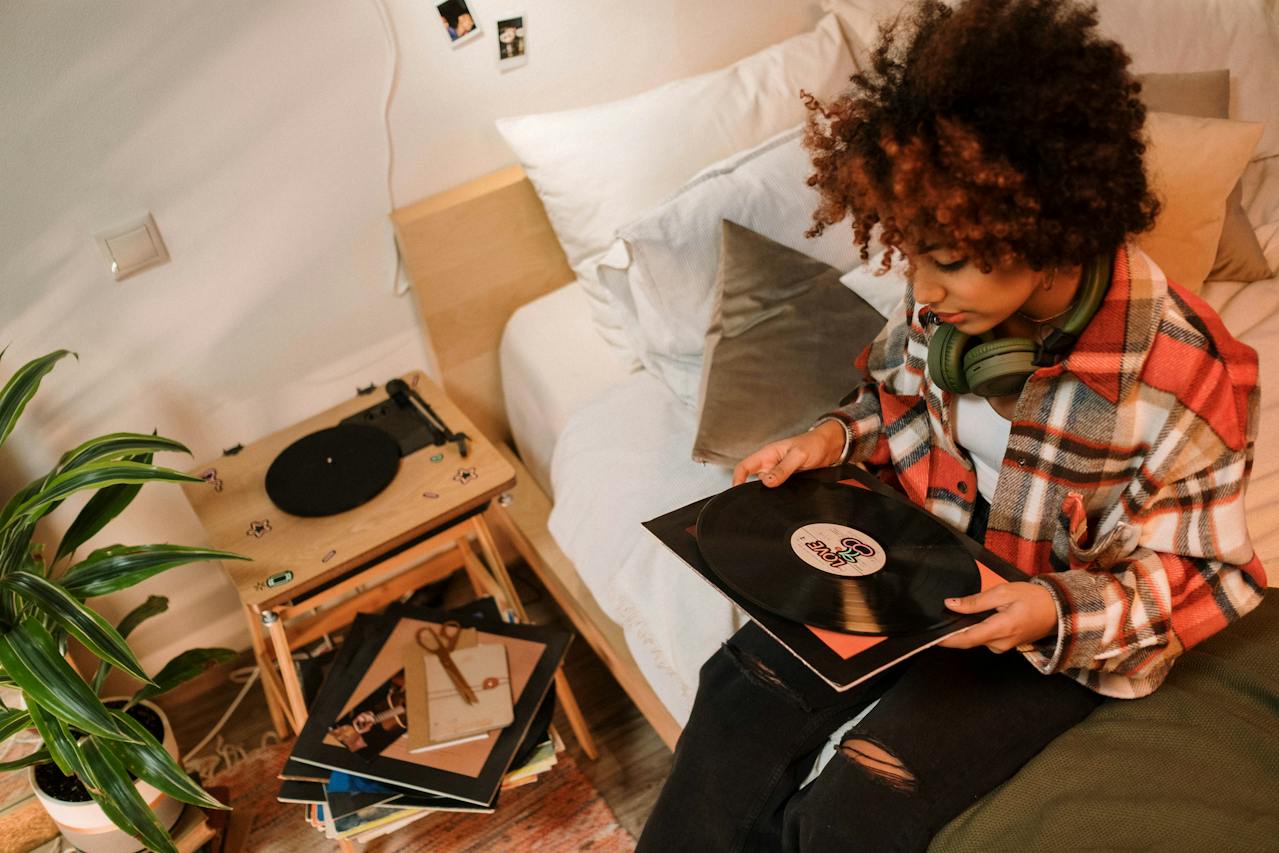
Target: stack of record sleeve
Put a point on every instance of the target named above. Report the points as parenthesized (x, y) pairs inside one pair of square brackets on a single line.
[(366, 792)]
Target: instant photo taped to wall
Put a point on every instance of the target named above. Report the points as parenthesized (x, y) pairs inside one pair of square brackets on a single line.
[(512, 40)]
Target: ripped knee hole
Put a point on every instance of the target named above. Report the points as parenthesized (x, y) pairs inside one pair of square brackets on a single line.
[(879, 763)]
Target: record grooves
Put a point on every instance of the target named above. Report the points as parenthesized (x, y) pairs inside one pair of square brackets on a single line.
[(835, 556)]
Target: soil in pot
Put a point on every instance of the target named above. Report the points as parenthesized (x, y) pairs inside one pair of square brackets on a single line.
[(69, 789)]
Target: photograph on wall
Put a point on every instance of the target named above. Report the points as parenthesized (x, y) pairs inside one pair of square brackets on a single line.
[(458, 20), (512, 45)]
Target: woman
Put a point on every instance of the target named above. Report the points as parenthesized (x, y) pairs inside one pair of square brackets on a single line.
[(1041, 386)]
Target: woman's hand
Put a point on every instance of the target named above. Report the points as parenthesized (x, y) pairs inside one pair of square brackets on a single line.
[(817, 448), (1024, 613)]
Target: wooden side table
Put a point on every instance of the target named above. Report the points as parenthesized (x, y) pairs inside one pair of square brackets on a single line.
[(309, 576)]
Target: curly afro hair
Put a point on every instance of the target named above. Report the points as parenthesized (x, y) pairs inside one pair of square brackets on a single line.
[(1008, 130)]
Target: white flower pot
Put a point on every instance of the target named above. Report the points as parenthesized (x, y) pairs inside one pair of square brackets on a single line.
[(87, 828)]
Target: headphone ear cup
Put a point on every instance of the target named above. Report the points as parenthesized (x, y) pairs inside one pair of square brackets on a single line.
[(1000, 367), (946, 359)]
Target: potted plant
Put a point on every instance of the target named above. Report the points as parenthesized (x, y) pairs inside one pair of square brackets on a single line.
[(83, 822), (42, 605)]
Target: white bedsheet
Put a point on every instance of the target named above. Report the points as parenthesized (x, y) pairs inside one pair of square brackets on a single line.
[(1251, 312), (624, 458), (552, 360)]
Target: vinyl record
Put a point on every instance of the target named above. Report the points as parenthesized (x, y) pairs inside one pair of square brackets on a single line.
[(835, 556), (333, 470)]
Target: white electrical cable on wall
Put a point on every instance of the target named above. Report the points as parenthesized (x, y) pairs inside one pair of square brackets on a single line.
[(393, 82)]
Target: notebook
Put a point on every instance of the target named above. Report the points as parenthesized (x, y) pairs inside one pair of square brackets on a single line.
[(438, 713)]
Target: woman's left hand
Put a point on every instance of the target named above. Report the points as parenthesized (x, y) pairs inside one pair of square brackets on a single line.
[(1024, 612)]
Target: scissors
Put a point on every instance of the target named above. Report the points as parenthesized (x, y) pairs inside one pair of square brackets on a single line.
[(440, 642)]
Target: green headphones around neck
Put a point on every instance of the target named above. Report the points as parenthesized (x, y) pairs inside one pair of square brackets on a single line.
[(967, 364)]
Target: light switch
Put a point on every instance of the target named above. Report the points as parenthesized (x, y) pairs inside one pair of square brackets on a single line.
[(132, 247)]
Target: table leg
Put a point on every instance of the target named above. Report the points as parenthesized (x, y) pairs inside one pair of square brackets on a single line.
[(569, 702), (482, 583), (288, 673), (273, 700), (574, 713), (498, 568)]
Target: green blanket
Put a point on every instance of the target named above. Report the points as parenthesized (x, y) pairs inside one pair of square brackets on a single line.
[(1193, 767)]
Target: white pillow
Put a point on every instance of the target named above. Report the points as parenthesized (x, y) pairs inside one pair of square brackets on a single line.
[(598, 167), (881, 292), (666, 272), (1160, 36)]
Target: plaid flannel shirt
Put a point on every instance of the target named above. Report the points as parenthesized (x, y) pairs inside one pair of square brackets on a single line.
[(1122, 488)]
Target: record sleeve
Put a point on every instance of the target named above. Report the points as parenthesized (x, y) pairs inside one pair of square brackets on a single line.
[(341, 803), (841, 659), (346, 793), (301, 792), (471, 772), (296, 771)]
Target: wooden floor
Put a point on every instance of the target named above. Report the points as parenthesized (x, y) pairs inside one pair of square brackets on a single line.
[(632, 763)]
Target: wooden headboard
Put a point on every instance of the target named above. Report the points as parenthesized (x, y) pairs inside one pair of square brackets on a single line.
[(474, 254)]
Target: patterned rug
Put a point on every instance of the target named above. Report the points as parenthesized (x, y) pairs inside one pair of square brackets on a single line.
[(559, 812)]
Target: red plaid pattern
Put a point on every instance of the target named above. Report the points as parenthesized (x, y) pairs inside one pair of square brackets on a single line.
[(1122, 488)]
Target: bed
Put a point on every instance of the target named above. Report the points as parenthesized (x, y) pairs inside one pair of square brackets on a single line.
[(561, 343)]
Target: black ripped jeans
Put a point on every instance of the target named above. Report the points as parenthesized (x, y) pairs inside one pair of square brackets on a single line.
[(959, 722)]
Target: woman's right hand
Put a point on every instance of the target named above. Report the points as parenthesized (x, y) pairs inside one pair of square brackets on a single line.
[(775, 462)]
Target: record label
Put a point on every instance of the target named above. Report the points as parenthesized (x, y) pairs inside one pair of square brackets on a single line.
[(838, 549)]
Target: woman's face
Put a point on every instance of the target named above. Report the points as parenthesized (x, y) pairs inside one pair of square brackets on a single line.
[(959, 293)]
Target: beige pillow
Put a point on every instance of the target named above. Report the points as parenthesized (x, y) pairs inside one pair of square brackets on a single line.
[(1193, 164), (1207, 94), (783, 338)]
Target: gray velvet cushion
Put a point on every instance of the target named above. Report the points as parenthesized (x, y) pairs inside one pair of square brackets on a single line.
[(1206, 94), (783, 338)]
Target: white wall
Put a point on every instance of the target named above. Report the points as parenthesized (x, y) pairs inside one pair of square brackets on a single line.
[(254, 132)]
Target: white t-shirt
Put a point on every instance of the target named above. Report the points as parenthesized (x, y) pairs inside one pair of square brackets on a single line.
[(983, 432)]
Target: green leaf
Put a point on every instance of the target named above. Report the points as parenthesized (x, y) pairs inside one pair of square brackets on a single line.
[(22, 386), (149, 761), (30, 657), (12, 721), (94, 475), (40, 756), (85, 625), (182, 668), (153, 606), (62, 747), (101, 508), (120, 566), (111, 788), (22, 496), (15, 543), (119, 445)]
